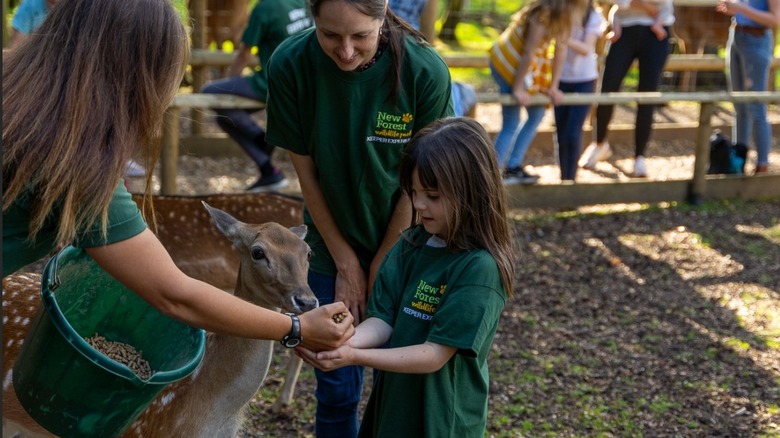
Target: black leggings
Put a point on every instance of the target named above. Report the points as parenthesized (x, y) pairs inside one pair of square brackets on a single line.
[(636, 42)]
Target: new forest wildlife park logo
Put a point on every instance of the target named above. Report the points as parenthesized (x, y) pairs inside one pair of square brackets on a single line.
[(425, 301), (392, 128)]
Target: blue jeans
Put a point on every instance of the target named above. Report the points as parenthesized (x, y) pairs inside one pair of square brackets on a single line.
[(749, 57), (568, 128), (238, 123), (338, 392), (514, 138)]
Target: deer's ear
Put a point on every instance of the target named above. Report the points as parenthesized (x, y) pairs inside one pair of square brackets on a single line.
[(226, 224), (299, 231)]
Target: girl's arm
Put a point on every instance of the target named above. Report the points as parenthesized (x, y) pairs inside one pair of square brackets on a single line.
[(373, 332), (143, 265), (559, 58), (770, 18), (399, 221), (585, 47), (351, 282), (534, 37), (414, 359)]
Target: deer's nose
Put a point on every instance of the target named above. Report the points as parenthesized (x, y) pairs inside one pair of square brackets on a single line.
[(304, 304)]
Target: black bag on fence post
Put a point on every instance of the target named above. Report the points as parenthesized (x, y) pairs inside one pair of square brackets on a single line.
[(726, 157)]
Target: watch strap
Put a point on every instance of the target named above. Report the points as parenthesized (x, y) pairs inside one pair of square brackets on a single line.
[(293, 339)]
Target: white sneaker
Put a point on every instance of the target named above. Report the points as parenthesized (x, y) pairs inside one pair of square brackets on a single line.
[(134, 169), (595, 153), (640, 170)]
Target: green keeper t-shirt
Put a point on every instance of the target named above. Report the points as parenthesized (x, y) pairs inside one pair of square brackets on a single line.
[(431, 294), (346, 123), (270, 23), (124, 221)]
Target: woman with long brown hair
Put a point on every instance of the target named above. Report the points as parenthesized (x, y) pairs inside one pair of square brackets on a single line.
[(80, 97)]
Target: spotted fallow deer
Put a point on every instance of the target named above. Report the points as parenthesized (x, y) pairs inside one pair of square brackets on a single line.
[(208, 403)]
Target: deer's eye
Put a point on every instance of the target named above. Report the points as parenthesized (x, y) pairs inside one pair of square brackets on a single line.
[(258, 253), (309, 254)]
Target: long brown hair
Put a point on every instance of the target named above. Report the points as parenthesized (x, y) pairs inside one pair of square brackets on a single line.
[(81, 96), (456, 156), (558, 16), (394, 30)]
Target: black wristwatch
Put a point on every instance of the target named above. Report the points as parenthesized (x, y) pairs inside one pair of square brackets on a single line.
[(293, 339)]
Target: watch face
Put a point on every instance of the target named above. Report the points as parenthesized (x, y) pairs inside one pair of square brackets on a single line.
[(291, 342)]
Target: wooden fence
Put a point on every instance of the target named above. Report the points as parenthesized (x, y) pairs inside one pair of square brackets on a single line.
[(700, 187), (675, 62)]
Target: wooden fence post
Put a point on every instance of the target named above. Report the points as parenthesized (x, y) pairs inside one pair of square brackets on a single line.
[(198, 8), (169, 155), (702, 154)]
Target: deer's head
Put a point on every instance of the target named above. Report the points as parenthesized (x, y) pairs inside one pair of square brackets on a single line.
[(274, 262)]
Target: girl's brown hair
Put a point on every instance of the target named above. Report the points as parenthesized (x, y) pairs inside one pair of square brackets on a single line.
[(455, 156), (394, 31), (81, 96), (558, 16)]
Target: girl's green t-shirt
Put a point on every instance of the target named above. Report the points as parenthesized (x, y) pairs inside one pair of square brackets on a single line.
[(432, 294)]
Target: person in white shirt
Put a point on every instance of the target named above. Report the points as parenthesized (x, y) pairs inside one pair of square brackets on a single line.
[(579, 74), (634, 37)]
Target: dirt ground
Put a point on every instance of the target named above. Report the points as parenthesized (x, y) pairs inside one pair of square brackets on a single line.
[(662, 322), (626, 320)]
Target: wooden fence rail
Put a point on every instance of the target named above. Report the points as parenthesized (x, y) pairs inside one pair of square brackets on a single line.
[(675, 62), (700, 187)]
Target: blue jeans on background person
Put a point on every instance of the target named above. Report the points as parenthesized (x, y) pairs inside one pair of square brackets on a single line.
[(238, 123), (568, 128), (514, 138), (749, 57), (338, 392)]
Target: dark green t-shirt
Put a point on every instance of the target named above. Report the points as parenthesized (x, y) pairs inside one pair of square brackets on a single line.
[(431, 294), (345, 122), (124, 222), (271, 22)]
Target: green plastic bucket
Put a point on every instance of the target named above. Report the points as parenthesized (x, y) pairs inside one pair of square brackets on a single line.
[(74, 390)]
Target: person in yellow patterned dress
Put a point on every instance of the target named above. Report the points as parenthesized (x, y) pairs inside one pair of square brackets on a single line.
[(526, 59)]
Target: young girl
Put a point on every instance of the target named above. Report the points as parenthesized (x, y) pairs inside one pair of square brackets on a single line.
[(519, 67), (439, 292), (578, 75)]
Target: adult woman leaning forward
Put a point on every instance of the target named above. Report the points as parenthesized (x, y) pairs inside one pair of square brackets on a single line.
[(80, 97)]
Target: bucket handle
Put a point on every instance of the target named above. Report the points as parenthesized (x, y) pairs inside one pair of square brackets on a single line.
[(54, 277)]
